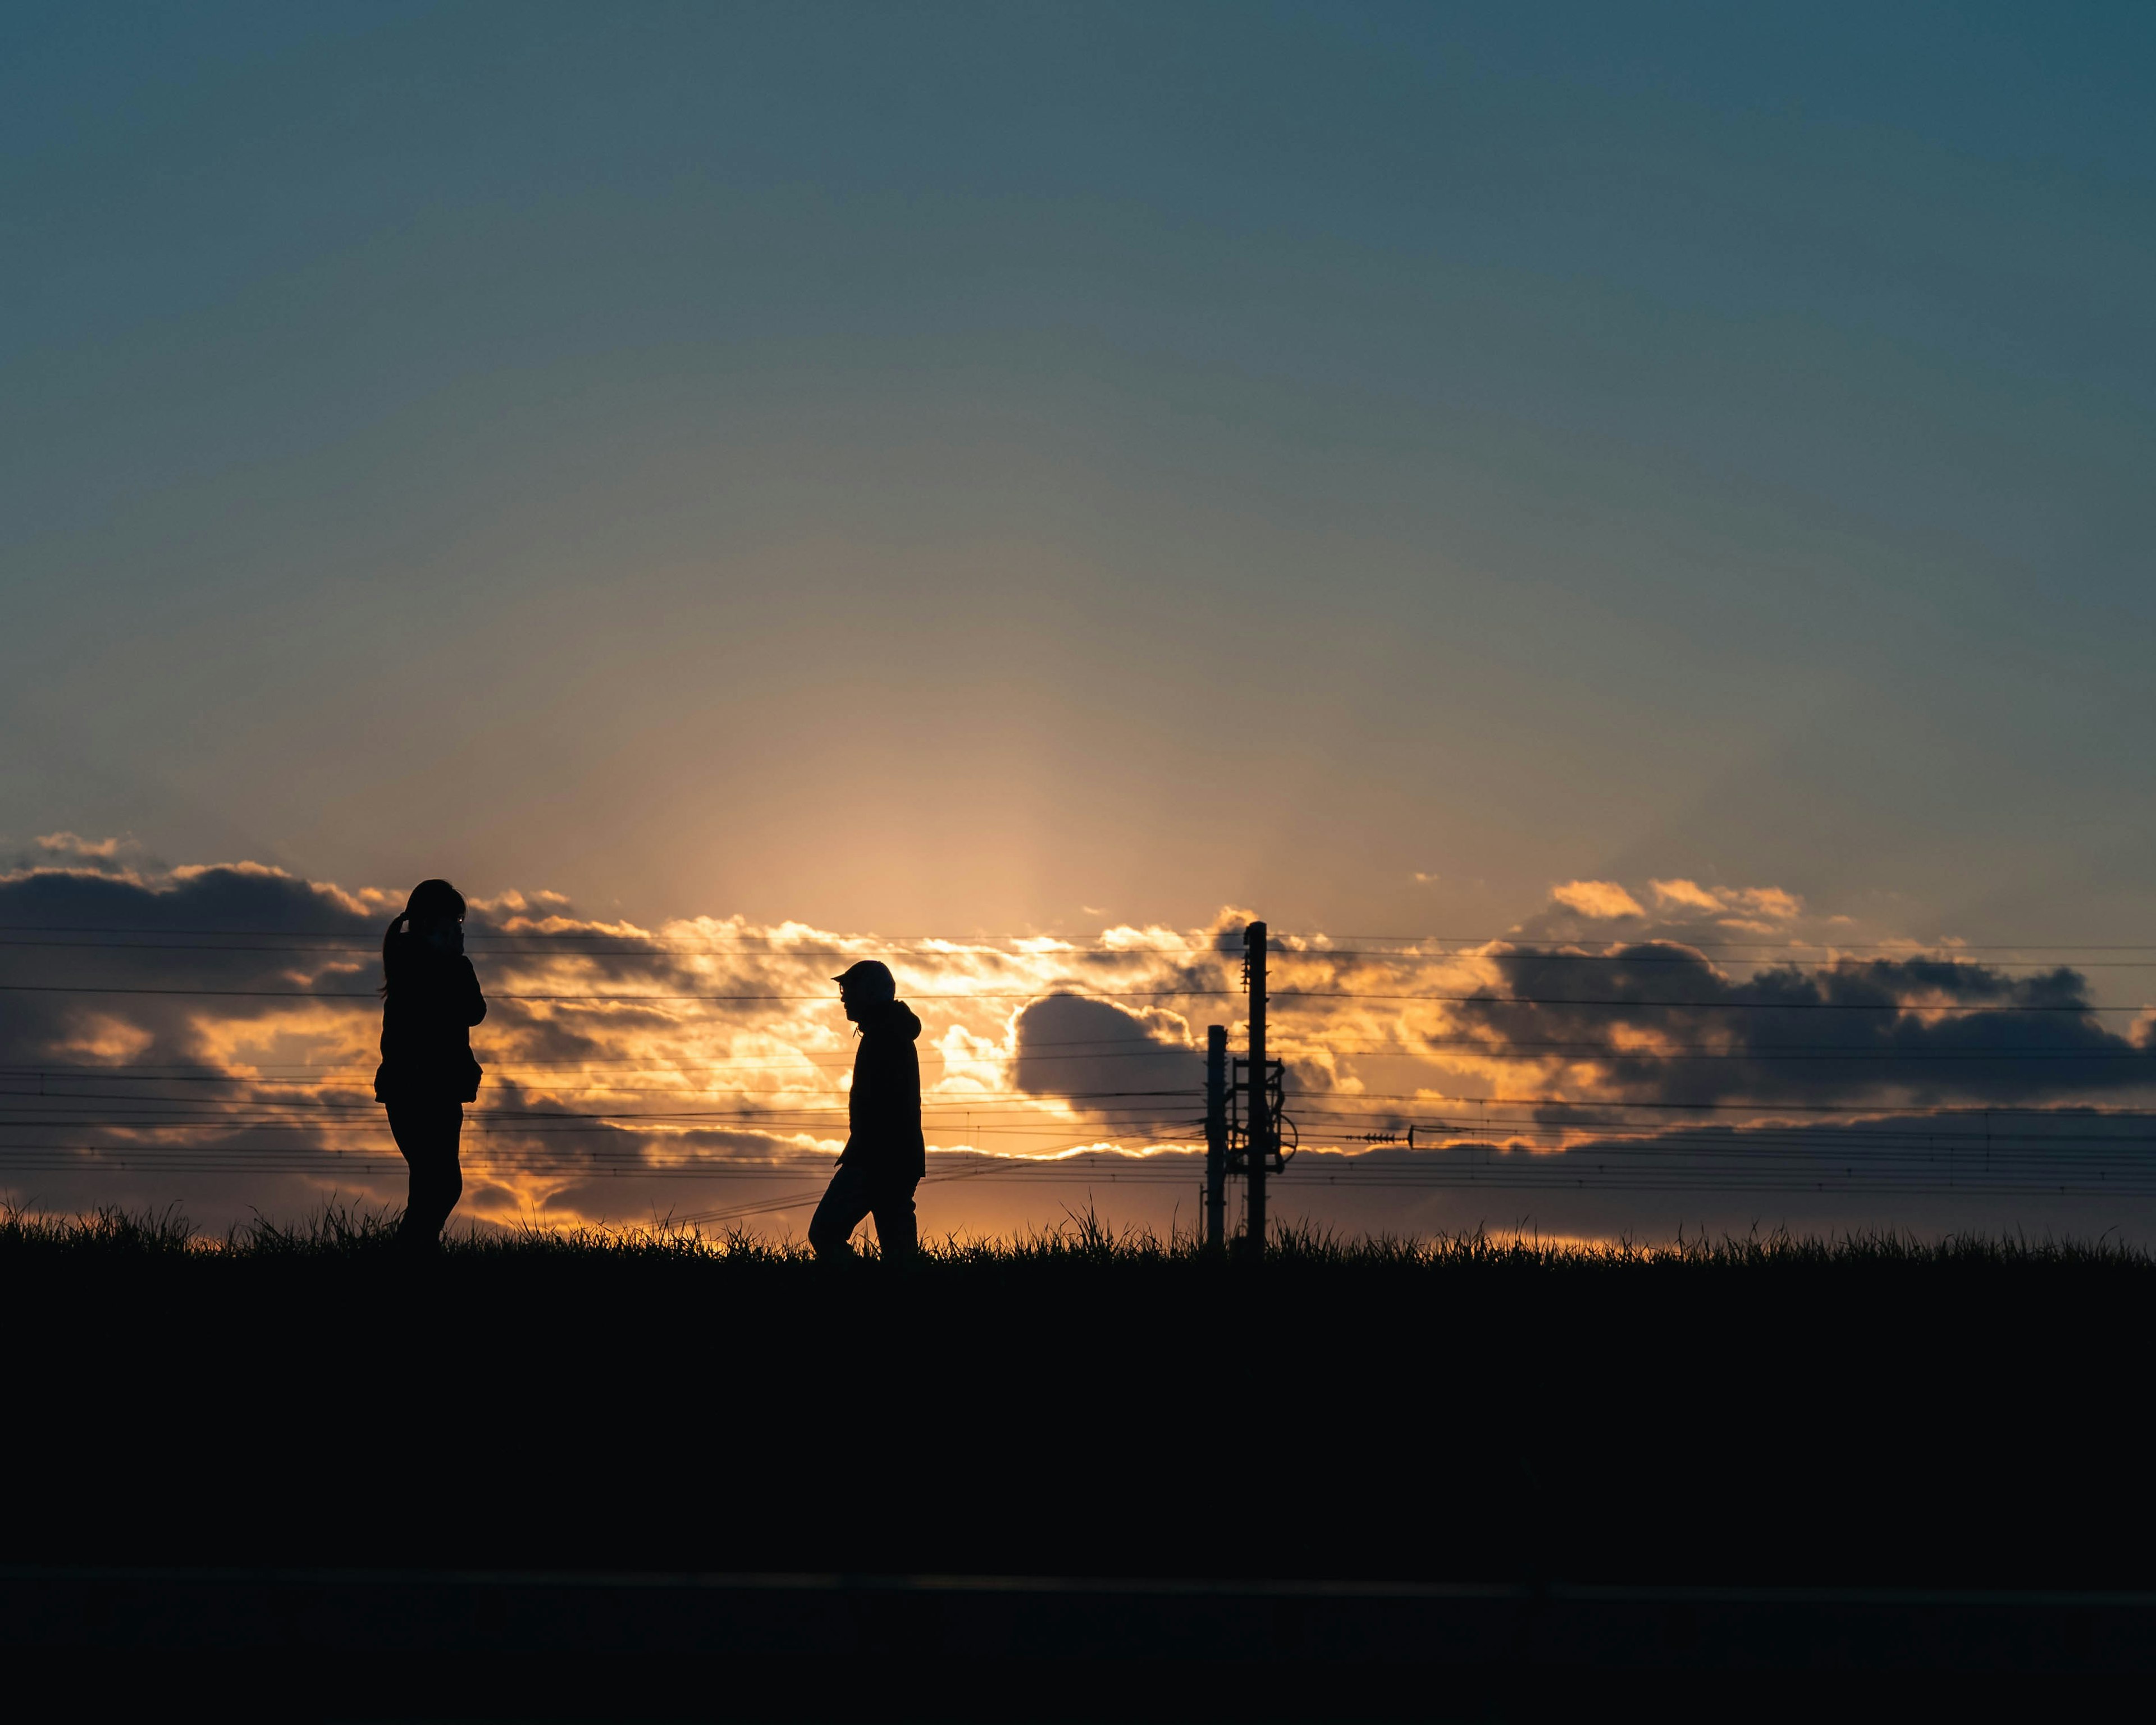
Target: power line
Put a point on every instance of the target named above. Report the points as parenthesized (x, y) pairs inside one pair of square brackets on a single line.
[(1515, 1175), (1952, 946), (1908, 1006), (1106, 1047), (595, 999), (1600, 1053), (985, 1100), (1228, 943), (901, 944), (1605, 1004), (1631, 957)]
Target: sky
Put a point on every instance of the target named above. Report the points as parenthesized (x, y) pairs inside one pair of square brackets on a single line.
[(803, 477)]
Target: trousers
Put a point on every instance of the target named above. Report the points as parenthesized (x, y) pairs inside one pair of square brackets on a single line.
[(427, 1131), (855, 1192)]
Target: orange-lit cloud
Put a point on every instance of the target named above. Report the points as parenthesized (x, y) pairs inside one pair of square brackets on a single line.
[(1759, 906), (1601, 898), (220, 1053)]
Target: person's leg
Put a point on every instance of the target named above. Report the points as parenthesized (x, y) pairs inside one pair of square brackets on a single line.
[(897, 1229), (445, 1178), (428, 1134), (845, 1202)]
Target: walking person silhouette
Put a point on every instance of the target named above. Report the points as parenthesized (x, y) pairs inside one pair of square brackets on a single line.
[(431, 1001), (886, 1155)]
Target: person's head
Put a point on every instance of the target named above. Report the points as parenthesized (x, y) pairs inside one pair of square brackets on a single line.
[(435, 914), (865, 988)]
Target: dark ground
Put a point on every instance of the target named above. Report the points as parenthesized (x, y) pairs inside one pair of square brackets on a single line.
[(1858, 1421), (1920, 1425)]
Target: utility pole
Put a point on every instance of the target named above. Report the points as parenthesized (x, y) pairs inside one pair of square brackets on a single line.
[(1261, 1118), (1216, 1136)]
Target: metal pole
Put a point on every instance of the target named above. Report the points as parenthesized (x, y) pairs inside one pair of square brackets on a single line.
[(1261, 1118), (1216, 1136)]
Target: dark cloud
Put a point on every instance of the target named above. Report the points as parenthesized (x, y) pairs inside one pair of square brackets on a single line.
[(1658, 1021), (2077, 1172), (1127, 1067), (600, 1106), (117, 1058), (79, 944)]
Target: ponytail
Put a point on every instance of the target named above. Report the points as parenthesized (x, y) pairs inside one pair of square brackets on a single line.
[(389, 940)]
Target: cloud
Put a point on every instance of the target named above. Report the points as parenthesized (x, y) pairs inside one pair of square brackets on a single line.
[(1769, 904), (207, 1034), (1683, 909), (210, 1031), (1687, 893), (1138, 1068), (217, 1049), (1599, 899), (1656, 1021), (71, 851), (74, 846)]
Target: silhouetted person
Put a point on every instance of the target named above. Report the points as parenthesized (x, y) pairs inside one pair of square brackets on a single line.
[(431, 1001), (886, 1155)]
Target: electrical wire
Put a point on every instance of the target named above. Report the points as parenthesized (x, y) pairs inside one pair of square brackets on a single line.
[(594, 999), (1642, 954)]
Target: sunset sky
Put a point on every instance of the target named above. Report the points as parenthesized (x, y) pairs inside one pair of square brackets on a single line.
[(1543, 503)]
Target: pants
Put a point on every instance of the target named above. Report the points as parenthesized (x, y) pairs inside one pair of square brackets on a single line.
[(857, 1192), (427, 1132)]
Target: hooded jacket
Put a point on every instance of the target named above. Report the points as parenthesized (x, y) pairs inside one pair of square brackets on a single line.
[(883, 1109), (433, 1001)]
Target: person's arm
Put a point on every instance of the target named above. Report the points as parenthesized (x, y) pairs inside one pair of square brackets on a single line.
[(475, 1006), (889, 1114), (857, 1116)]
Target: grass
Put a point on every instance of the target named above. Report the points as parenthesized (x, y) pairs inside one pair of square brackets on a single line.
[(346, 1233), (1765, 1409)]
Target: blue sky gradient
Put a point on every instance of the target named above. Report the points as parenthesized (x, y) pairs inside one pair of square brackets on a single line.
[(913, 467)]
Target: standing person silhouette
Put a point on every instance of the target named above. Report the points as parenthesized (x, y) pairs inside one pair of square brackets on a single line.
[(886, 1155), (431, 1001)]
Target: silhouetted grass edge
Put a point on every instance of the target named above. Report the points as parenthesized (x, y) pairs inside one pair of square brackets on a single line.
[(343, 1232)]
